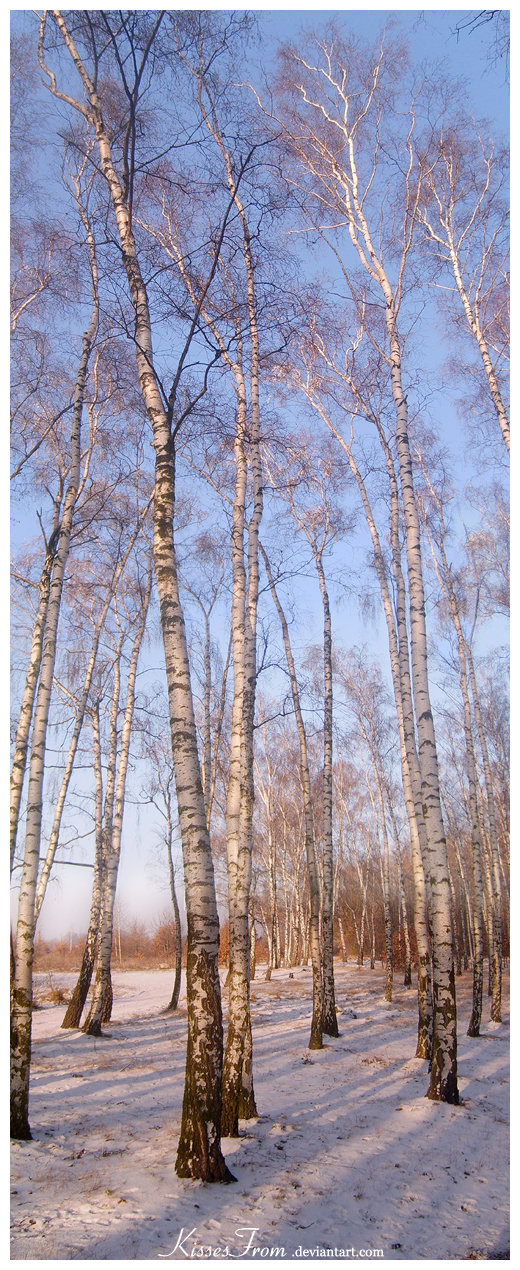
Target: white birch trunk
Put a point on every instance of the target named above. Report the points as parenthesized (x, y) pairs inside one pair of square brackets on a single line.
[(77, 1001), (400, 669), (315, 1041), (199, 1152), (446, 583), (24, 944), (80, 715), (26, 710), (443, 1080), (496, 953), (113, 825), (330, 1022)]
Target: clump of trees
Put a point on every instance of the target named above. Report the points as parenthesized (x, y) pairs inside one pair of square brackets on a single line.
[(220, 401)]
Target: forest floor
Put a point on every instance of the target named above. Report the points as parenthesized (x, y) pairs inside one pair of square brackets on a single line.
[(347, 1153)]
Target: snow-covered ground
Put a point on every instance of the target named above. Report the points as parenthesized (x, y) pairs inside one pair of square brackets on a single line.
[(347, 1153)]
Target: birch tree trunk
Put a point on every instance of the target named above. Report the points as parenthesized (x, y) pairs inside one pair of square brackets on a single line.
[(239, 803), (443, 1080), (338, 180), (330, 1022), (199, 1152), (26, 710), (78, 724), (113, 826), (174, 999), (496, 951), (76, 1004), (404, 914), (315, 1041), (446, 582), (400, 669), (24, 944), (453, 243)]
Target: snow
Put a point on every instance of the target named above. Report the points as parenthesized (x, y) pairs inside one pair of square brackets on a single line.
[(347, 1152)]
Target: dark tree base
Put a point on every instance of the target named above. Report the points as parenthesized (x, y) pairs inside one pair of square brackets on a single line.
[(315, 1041), (20, 1129), (329, 1025), (447, 1092), (92, 1029), (108, 1002), (197, 1159)]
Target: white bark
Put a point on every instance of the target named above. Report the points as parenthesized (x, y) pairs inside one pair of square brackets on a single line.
[(76, 1004), (446, 582), (24, 944), (113, 820), (336, 179), (199, 1153), (26, 710), (80, 708), (315, 1041)]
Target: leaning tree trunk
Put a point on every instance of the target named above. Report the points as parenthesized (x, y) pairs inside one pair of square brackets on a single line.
[(199, 1153), (174, 999), (315, 1041), (107, 831), (24, 944), (79, 996), (475, 326), (102, 995), (78, 724), (21, 742)]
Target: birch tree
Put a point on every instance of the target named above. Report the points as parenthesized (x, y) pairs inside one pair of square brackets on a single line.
[(24, 944), (199, 1153), (334, 105), (322, 524), (315, 1041), (444, 573), (465, 218), (114, 811)]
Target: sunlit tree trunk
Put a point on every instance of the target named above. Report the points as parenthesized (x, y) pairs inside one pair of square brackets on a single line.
[(443, 1080), (79, 996), (400, 668), (315, 1041), (496, 951), (199, 1152), (80, 708), (330, 1023), (26, 710), (338, 177), (24, 943), (446, 582), (113, 825), (404, 914), (174, 999)]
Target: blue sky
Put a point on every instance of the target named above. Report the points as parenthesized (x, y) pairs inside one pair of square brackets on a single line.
[(142, 887)]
